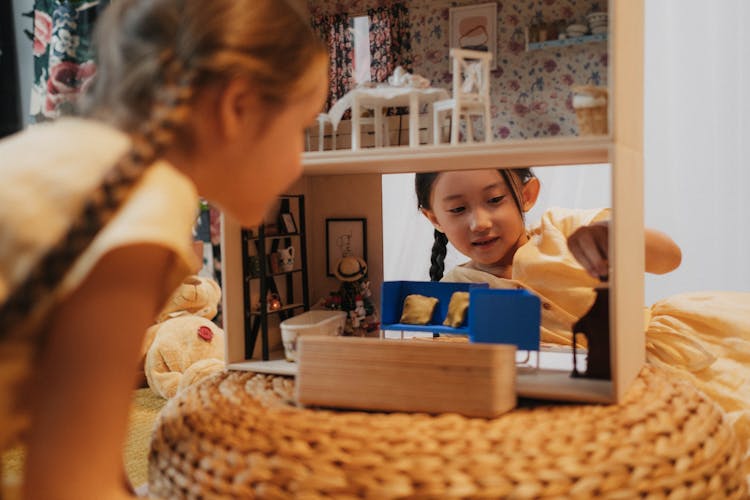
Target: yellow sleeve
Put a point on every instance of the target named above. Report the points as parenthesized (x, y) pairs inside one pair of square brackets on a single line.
[(567, 220)]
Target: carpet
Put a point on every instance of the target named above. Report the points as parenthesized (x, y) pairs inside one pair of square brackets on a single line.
[(143, 412)]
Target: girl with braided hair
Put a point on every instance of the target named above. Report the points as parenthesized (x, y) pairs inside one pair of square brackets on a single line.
[(701, 337), (562, 260), (191, 97)]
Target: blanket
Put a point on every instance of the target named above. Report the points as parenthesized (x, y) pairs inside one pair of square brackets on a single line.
[(704, 337)]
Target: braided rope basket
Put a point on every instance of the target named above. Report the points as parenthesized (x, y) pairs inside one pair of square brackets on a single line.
[(238, 435)]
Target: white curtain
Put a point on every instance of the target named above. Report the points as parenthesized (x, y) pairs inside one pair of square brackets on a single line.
[(697, 152)]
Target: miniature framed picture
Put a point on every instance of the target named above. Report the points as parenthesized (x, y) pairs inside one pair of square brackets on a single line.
[(287, 220), (474, 27), (345, 237)]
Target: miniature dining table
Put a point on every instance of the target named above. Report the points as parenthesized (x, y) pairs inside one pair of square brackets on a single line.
[(382, 96)]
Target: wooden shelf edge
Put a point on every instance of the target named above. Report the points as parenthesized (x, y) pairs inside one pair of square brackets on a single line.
[(274, 236), (282, 309), (600, 37), (506, 154), (271, 275)]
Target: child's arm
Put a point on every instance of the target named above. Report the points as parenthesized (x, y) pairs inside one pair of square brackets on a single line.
[(590, 246), (86, 375)]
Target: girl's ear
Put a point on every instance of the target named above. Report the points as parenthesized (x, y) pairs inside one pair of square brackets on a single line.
[(431, 217), (530, 193), (237, 109)]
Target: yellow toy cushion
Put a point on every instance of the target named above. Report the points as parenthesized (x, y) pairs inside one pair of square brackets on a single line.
[(418, 309), (457, 309)]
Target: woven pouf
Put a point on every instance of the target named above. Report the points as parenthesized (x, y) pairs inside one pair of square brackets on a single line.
[(238, 435)]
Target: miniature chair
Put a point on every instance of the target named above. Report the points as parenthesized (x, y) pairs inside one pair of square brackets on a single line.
[(323, 118), (376, 117), (471, 95)]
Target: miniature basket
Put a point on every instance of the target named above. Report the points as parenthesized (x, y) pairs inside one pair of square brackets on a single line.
[(238, 435), (590, 104)]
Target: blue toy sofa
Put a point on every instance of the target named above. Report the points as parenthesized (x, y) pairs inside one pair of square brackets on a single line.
[(494, 315)]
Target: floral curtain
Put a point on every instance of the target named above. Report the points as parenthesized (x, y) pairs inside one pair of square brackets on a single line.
[(390, 41), (63, 58), (334, 30), (390, 46)]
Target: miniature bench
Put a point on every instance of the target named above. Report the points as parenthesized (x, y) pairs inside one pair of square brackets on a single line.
[(494, 315)]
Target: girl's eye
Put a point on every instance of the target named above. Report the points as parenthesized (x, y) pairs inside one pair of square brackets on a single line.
[(456, 210), (497, 199)]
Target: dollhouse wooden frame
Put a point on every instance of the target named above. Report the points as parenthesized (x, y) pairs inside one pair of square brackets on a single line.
[(354, 177)]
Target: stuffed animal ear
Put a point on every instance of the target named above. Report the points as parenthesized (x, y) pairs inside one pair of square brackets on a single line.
[(418, 309), (195, 295)]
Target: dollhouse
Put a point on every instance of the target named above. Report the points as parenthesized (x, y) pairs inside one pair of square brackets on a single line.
[(663, 439), (347, 182)]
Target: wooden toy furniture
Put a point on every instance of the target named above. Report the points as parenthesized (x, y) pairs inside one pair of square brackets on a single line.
[(347, 182), (240, 435), (471, 95)]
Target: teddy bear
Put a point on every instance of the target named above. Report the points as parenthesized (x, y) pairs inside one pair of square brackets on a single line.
[(184, 345)]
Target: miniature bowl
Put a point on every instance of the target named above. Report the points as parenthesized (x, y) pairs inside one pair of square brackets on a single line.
[(597, 17)]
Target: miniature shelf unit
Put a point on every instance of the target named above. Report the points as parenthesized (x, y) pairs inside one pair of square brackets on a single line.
[(295, 297), (332, 179)]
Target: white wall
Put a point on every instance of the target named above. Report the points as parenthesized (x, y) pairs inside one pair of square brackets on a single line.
[(697, 140)]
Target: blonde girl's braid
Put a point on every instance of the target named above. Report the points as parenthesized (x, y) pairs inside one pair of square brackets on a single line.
[(34, 295)]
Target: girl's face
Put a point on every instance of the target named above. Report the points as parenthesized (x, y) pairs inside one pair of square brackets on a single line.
[(476, 211)]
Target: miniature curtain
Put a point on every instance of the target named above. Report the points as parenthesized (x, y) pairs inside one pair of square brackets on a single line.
[(334, 30), (390, 46), (390, 41)]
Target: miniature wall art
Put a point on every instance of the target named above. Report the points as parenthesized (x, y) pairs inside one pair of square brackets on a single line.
[(474, 27), (345, 238)]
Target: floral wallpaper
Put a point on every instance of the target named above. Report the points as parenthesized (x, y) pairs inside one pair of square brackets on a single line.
[(531, 91)]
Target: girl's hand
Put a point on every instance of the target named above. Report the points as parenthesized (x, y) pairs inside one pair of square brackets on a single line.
[(590, 246)]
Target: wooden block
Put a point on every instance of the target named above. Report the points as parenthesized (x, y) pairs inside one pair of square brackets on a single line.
[(476, 380)]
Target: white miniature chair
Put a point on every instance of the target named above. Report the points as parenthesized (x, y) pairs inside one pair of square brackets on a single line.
[(323, 118), (377, 118), (471, 95)]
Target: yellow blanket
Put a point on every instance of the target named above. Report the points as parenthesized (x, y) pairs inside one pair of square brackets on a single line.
[(704, 337)]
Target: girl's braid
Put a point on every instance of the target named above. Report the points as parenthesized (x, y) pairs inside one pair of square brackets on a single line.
[(34, 295), (439, 250)]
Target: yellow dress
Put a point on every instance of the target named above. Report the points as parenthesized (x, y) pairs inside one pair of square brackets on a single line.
[(46, 171), (545, 267), (703, 337)]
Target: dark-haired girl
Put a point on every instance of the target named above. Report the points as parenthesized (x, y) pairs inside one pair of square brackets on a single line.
[(481, 213)]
